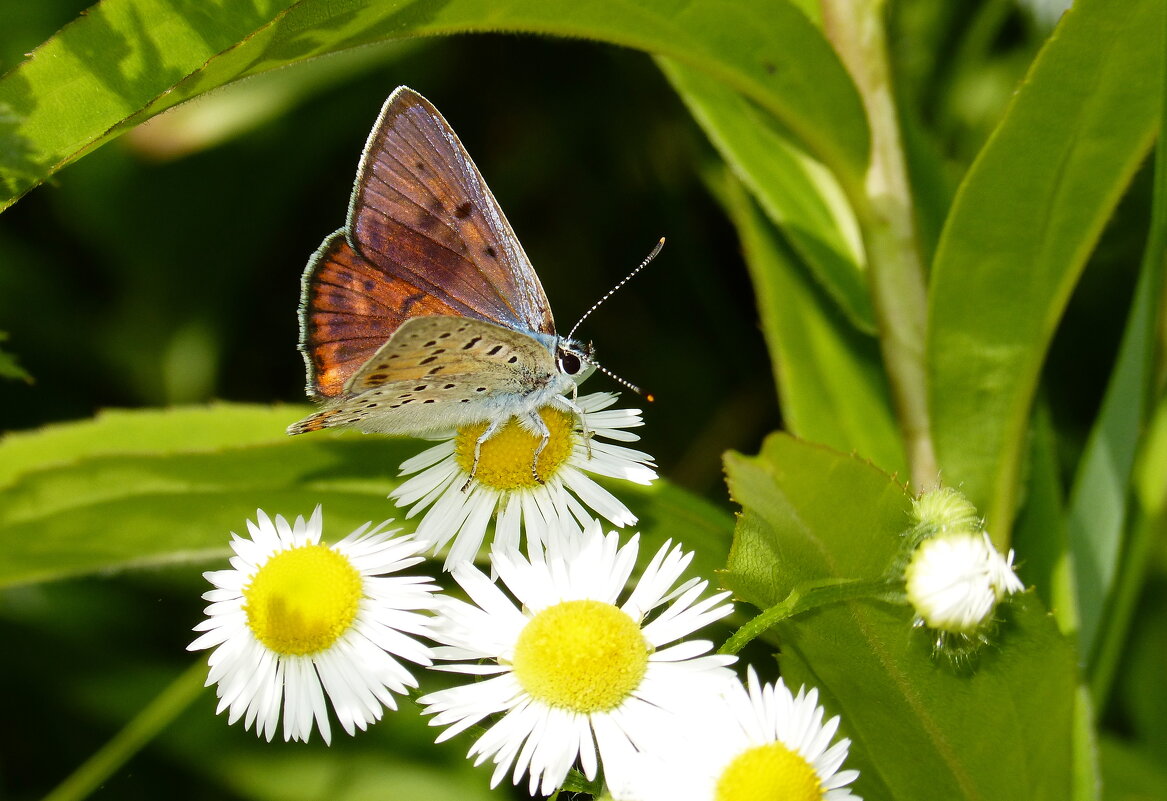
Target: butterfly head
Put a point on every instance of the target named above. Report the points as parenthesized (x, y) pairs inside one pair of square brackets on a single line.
[(575, 359)]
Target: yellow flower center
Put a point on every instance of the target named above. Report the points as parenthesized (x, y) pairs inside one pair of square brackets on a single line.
[(770, 772), (504, 463), (586, 656), (302, 600)]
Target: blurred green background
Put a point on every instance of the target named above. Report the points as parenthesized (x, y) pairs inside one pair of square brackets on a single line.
[(164, 269)]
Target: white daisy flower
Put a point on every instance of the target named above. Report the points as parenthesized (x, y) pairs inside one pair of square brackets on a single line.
[(295, 619), (743, 745), (574, 670), (954, 581), (504, 487)]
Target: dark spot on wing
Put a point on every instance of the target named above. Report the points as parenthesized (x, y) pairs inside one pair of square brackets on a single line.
[(494, 350), (377, 377), (430, 344), (449, 386), (428, 359), (471, 343), (480, 389), (436, 370), (512, 360), (431, 400), (420, 388), (410, 302), (490, 251), (369, 284), (463, 210)]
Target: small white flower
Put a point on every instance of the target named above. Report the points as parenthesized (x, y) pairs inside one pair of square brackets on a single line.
[(505, 488), (295, 619), (574, 670), (954, 581), (743, 745)]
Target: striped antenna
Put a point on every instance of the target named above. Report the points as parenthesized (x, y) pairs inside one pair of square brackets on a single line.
[(612, 292), (648, 396)]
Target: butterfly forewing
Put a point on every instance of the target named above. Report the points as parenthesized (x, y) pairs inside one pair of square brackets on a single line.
[(349, 308), (422, 212)]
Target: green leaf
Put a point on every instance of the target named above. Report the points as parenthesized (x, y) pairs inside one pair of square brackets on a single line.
[(118, 431), (127, 60), (789, 488), (1098, 499), (998, 728), (1040, 539), (797, 193), (827, 373), (1143, 544), (1023, 224), (9, 368), (140, 489)]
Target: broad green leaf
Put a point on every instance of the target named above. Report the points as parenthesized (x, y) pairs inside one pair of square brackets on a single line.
[(140, 489), (997, 728), (1023, 224), (797, 193), (119, 431), (827, 373), (127, 60)]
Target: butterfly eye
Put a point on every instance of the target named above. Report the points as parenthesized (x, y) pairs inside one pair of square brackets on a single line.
[(569, 363)]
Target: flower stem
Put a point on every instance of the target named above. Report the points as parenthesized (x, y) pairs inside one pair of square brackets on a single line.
[(804, 599), (884, 209), (127, 742)]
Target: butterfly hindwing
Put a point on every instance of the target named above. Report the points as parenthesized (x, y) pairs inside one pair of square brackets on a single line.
[(436, 373), (421, 212), (445, 349)]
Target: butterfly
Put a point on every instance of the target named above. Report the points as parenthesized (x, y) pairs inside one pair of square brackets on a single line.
[(423, 313)]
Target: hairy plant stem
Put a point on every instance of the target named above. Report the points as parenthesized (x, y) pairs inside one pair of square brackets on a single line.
[(804, 599), (883, 206)]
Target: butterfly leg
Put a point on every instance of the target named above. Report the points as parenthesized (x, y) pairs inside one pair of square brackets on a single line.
[(540, 428), (490, 431), (583, 419)]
